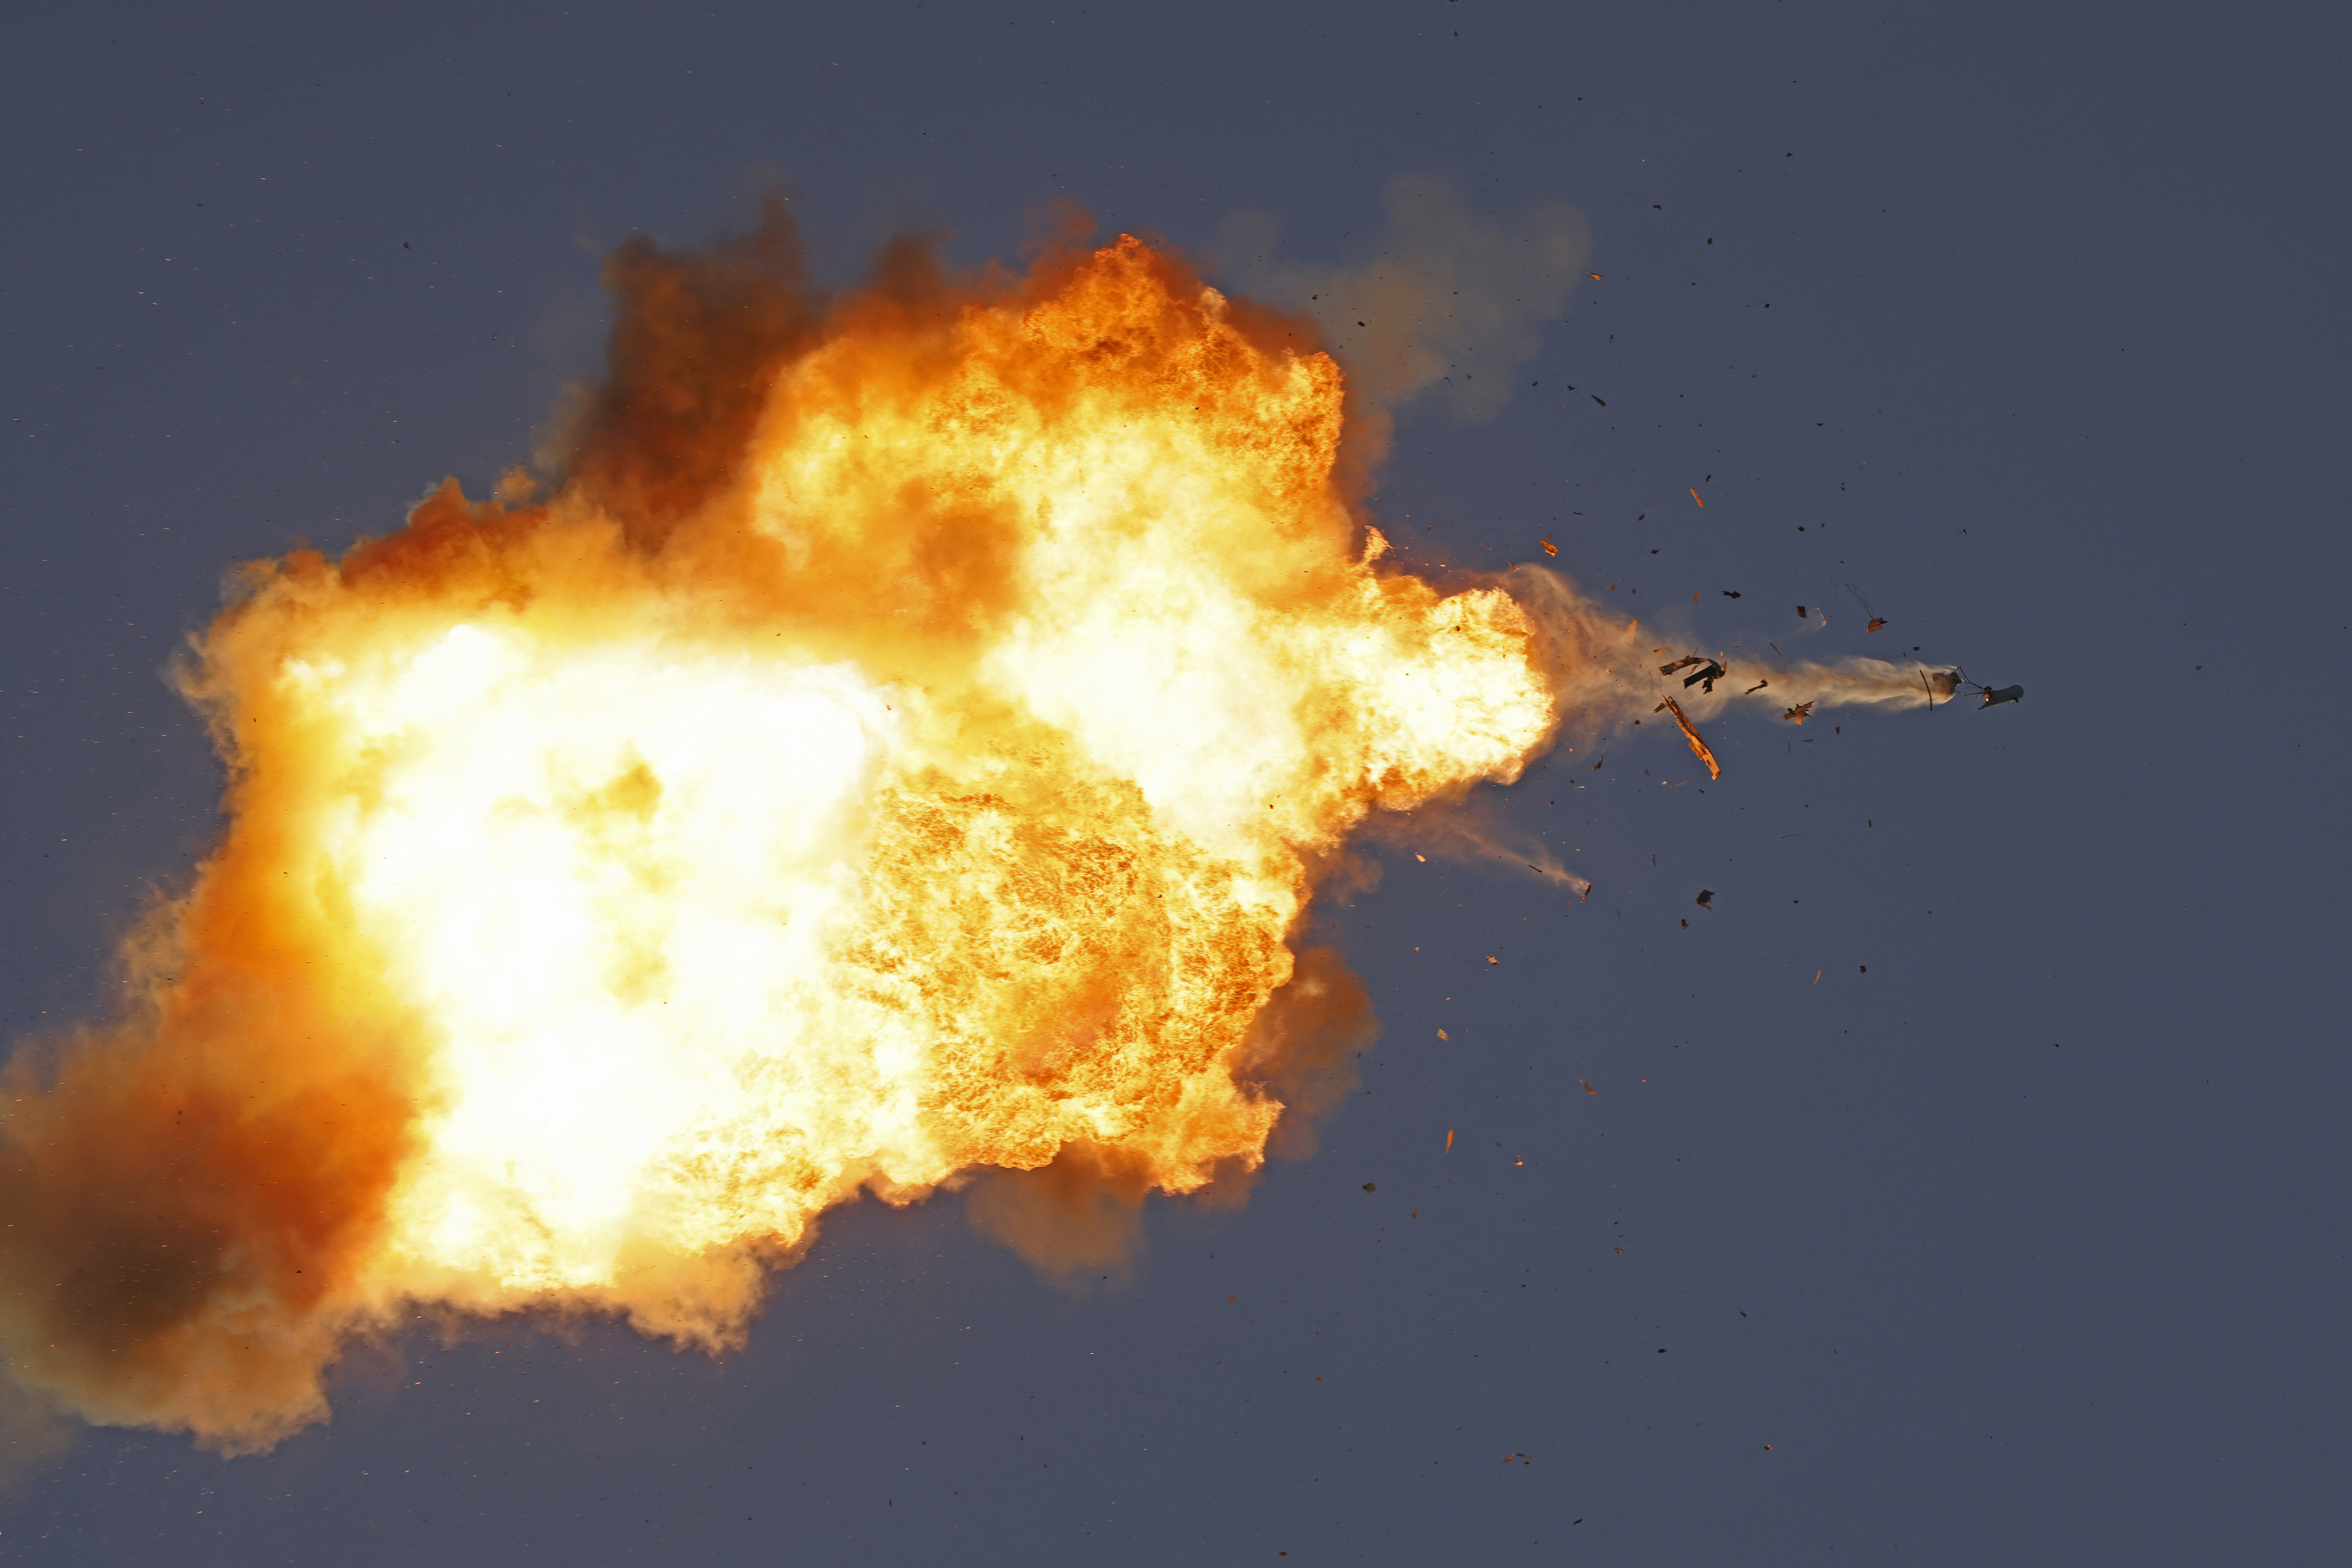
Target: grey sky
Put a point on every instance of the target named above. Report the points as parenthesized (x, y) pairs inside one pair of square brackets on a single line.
[(2029, 319)]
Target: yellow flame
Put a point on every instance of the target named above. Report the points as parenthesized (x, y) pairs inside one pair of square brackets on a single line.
[(941, 793)]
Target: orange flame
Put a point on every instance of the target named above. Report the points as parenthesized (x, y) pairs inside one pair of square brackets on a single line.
[(903, 748)]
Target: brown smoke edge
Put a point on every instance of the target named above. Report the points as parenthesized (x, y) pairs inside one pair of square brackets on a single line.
[(184, 1192)]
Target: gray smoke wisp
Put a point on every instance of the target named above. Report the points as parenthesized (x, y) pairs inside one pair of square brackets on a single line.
[(1447, 301)]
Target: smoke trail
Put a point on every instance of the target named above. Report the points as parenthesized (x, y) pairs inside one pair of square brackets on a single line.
[(1606, 670)]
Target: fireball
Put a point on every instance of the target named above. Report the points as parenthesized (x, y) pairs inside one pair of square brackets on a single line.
[(901, 746)]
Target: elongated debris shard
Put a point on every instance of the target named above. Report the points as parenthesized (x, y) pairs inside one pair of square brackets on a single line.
[(1697, 746)]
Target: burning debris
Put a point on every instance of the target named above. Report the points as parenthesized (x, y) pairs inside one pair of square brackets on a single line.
[(1801, 712), (1947, 683), (1854, 592), (1697, 746), (1956, 679), (1706, 678)]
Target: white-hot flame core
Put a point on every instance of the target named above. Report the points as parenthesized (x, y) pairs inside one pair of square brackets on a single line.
[(613, 879)]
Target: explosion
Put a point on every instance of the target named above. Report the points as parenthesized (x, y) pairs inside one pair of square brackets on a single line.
[(903, 746)]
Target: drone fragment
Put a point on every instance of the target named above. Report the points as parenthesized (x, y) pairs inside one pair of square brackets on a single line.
[(1682, 663), (1731, 592), (1755, 689), (1711, 674), (1877, 622), (1707, 898), (1801, 712), (1697, 746)]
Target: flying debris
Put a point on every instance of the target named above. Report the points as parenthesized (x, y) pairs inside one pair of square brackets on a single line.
[(1711, 674), (1550, 548), (1697, 746), (1854, 592), (1953, 679), (1800, 612), (1755, 689), (1801, 712), (1731, 592), (1707, 898), (1683, 664)]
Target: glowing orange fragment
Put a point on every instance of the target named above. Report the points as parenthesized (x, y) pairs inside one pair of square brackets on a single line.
[(1697, 746)]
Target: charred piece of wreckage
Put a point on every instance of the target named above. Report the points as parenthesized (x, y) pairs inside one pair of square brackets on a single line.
[(1991, 695), (1713, 672)]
